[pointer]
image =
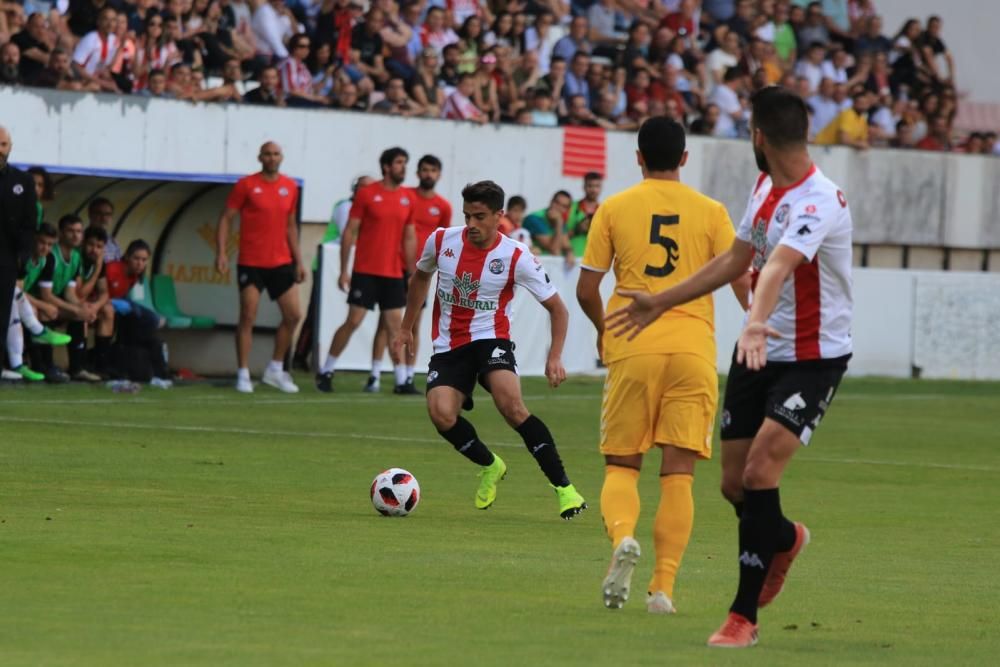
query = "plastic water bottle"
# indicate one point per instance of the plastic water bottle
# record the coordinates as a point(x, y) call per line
point(123, 386)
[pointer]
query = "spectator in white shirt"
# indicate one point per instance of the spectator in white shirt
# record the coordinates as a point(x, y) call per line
point(836, 67)
point(459, 105)
point(603, 16)
point(726, 56)
point(825, 109)
point(732, 113)
point(811, 66)
point(97, 50)
point(272, 25)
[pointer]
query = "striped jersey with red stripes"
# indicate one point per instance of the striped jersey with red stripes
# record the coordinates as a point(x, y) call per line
point(815, 307)
point(295, 76)
point(475, 286)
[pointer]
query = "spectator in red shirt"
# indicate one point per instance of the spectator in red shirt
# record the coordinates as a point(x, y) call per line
point(381, 220)
point(939, 137)
point(430, 211)
point(267, 204)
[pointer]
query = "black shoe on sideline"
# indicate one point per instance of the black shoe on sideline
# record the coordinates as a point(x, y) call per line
point(407, 388)
point(324, 382)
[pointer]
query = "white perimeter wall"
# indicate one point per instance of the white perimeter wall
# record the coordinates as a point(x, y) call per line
point(943, 324)
point(897, 198)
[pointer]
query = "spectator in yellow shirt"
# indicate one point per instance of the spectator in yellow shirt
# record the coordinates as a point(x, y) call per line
point(850, 127)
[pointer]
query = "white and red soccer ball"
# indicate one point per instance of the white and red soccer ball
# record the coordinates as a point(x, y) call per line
point(395, 492)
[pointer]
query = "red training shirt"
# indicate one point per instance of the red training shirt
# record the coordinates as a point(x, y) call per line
point(264, 208)
point(428, 215)
point(383, 214)
point(119, 281)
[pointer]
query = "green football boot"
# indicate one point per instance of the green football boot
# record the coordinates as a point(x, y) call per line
point(489, 476)
point(571, 502)
point(50, 337)
point(28, 374)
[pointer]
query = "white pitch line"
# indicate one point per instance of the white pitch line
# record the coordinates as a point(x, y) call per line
point(326, 435)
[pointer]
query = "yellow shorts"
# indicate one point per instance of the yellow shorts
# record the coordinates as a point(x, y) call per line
point(659, 399)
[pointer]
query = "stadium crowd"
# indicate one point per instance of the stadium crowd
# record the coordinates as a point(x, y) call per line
point(600, 63)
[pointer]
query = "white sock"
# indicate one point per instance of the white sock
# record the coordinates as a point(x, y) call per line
point(409, 372)
point(243, 374)
point(400, 371)
point(329, 364)
point(274, 367)
point(376, 367)
point(15, 342)
point(27, 313)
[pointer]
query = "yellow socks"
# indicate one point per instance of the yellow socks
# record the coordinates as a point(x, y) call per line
point(671, 530)
point(620, 502)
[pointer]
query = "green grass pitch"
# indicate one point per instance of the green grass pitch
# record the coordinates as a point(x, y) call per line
point(202, 527)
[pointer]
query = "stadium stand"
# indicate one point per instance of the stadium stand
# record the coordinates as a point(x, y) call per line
point(601, 63)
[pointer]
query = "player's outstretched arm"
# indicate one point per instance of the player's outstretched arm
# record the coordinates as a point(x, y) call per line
point(645, 308)
point(559, 318)
point(751, 348)
point(416, 295)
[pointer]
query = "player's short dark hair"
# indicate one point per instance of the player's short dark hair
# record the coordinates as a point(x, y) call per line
point(780, 115)
point(661, 143)
point(389, 156)
point(429, 159)
point(487, 193)
point(136, 246)
point(517, 200)
point(562, 193)
point(98, 233)
point(47, 230)
point(592, 176)
point(99, 201)
point(69, 219)
point(47, 188)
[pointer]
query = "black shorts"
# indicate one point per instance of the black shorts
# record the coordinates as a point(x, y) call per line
point(368, 291)
point(796, 394)
point(462, 367)
point(276, 280)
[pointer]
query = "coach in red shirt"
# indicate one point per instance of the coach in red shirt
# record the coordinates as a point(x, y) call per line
point(430, 211)
point(267, 204)
point(381, 219)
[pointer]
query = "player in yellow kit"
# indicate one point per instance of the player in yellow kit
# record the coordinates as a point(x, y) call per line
point(662, 387)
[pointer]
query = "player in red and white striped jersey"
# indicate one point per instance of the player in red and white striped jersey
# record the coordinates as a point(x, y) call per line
point(794, 348)
point(478, 271)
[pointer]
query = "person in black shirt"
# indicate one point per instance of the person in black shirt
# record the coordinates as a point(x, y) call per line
point(267, 94)
point(366, 40)
point(18, 215)
point(35, 46)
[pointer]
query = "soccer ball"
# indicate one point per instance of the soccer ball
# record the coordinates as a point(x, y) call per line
point(395, 492)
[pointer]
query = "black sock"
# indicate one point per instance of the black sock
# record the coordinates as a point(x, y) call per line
point(760, 526)
point(542, 446)
point(463, 438)
point(77, 348)
point(102, 350)
point(786, 536)
point(738, 506)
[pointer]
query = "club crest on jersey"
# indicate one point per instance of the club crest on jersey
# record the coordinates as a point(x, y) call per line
point(781, 215)
point(283, 192)
point(465, 285)
point(18, 188)
point(497, 267)
point(405, 201)
point(435, 210)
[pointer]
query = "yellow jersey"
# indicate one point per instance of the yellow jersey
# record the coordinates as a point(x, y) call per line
point(849, 121)
point(656, 234)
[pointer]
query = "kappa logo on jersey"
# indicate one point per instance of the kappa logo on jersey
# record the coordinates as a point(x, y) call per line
point(465, 286)
point(781, 215)
point(497, 267)
point(794, 402)
point(448, 252)
point(804, 230)
point(498, 352)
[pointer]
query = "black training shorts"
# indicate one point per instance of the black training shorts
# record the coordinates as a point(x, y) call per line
point(796, 394)
point(462, 367)
point(276, 280)
point(368, 291)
